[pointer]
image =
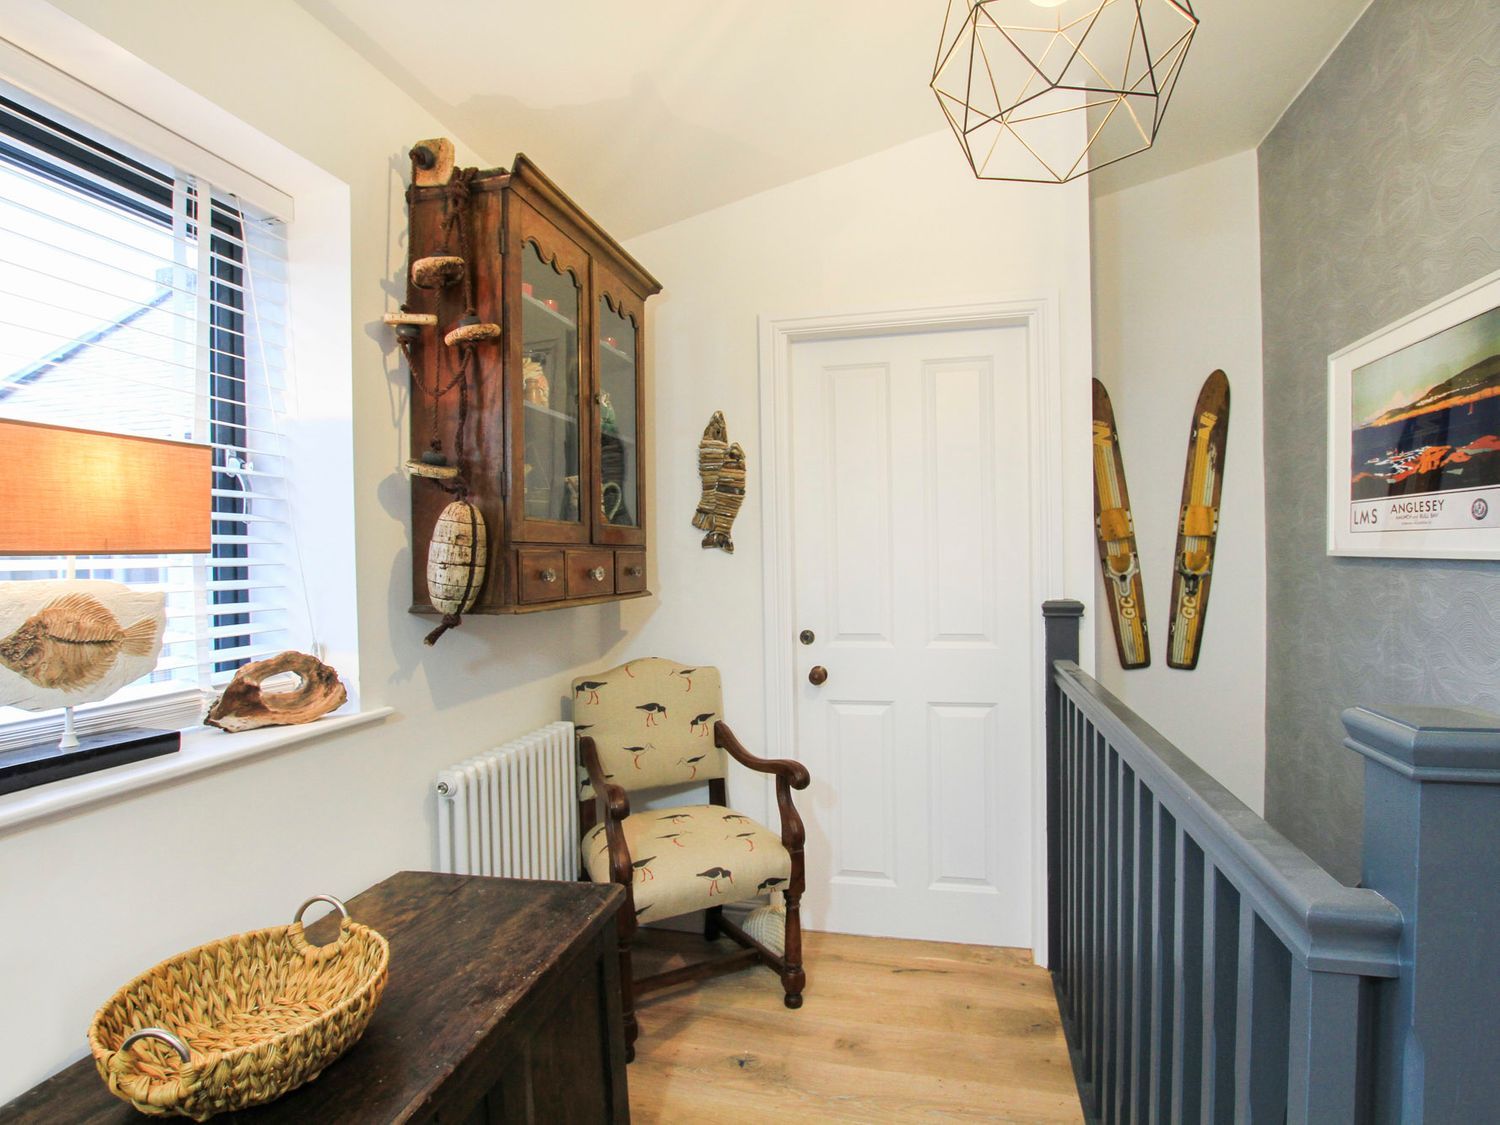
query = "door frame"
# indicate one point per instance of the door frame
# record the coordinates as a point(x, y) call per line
point(1037, 314)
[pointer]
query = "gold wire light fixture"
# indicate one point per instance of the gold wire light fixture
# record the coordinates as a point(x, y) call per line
point(1014, 76)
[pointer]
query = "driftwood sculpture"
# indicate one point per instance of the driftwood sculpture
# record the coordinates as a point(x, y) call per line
point(243, 706)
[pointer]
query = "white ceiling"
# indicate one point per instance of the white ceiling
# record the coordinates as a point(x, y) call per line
point(652, 111)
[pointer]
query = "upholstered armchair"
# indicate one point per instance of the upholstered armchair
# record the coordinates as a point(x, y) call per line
point(652, 724)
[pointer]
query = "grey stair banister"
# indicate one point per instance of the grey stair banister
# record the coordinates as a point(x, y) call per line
point(1432, 846)
point(1206, 968)
point(1060, 625)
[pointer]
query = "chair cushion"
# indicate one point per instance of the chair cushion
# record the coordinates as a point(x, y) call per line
point(691, 857)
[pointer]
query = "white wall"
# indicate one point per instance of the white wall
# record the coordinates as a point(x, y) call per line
point(906, 227)
point(91, 898)
point(902, 228)
point(1177, 294)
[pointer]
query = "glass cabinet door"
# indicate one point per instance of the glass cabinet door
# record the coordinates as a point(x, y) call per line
point(550, 306)
point(619, 431)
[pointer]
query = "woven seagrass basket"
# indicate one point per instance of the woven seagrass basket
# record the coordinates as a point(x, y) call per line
point(239, 1021)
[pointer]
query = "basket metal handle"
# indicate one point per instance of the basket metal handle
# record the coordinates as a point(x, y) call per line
point(300, 940)
point(160, 1034)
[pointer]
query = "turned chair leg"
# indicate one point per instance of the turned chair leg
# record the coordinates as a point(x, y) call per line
point(711, 923)
point(625, 932)
point(793, 979)
point(627, 1002)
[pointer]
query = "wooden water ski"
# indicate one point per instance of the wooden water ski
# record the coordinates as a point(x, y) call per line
point(1119, 561)
point(1198, 522)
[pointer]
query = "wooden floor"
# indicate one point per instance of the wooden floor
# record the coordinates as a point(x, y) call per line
point(890, 1031)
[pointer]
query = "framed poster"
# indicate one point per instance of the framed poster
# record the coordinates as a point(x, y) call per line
point(1414, 434)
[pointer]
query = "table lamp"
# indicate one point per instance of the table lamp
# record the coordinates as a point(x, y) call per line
point(71, 641)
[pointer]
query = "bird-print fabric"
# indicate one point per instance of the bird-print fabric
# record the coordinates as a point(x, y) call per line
point(688, 858)
point(653, 722)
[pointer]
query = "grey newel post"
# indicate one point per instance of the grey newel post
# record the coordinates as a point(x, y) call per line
point(1061, 618)
point(1432, 846)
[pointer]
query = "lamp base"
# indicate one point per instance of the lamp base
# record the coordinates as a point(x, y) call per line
point(43, 762)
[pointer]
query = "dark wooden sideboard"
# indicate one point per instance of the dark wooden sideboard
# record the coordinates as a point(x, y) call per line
point(503, 1006)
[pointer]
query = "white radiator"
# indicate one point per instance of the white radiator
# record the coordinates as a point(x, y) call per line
point(512, 810)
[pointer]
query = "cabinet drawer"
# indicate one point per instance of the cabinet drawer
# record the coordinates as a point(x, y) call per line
point(630, 572)
point(540, 576)
point(590, 573)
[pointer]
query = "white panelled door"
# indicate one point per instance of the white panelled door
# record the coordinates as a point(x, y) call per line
point(912, 543)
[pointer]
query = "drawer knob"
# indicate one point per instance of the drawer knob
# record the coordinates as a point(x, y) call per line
point(597, 574)
point(632, 572)
point(548, 575)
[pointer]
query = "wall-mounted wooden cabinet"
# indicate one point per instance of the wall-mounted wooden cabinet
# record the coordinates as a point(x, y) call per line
point(558, 421)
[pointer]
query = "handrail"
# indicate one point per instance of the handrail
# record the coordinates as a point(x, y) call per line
point(1327, 926)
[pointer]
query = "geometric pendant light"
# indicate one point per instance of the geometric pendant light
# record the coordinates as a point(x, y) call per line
point(1044, 91)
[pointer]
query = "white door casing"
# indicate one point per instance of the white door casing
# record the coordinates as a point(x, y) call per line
point(924, 526)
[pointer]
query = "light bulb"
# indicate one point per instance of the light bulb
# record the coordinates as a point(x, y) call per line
point(1049, 3)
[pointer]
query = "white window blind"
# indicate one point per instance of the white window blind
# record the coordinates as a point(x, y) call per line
point(134, 298)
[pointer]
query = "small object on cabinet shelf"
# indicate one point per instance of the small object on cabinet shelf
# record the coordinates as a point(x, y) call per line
point(535, 387)
point(711, 452)
point(437, 271)
point(612, 498)
point(246, 706)
point(729, 494)
point(169, 1042)
point(611, 341)
point(551, 303)
point(456, 560)
point(527, 289)
point(608, 422)
point(570, 508)
point(471, 330)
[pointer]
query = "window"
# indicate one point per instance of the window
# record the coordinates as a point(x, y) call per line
point(136, 298)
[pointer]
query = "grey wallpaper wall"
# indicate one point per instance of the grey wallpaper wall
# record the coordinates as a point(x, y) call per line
point(1380, 193)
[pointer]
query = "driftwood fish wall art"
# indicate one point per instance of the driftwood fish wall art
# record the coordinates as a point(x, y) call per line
point(70, 641)
point(711, 453)
point(721, 472)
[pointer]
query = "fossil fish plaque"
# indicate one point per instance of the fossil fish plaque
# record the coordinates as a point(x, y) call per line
point(71, 641)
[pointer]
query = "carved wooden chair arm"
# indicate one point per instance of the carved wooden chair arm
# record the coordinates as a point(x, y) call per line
point(616, 809)
point(794, 773)
point(789, 775)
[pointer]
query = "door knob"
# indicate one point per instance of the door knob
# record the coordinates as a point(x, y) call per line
point(597, 574)
point(818, 676)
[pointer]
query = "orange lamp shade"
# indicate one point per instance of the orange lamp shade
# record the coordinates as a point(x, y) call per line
point(80, 492)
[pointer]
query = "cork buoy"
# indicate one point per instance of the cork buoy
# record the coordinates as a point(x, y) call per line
point(437, 271)
point(420, 467)
point(471, 330)
point(455, 564)
point(419, 320)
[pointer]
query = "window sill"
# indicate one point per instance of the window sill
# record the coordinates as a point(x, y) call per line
point(203, 750)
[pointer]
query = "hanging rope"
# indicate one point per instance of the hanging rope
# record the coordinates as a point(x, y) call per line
point(456, 227)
